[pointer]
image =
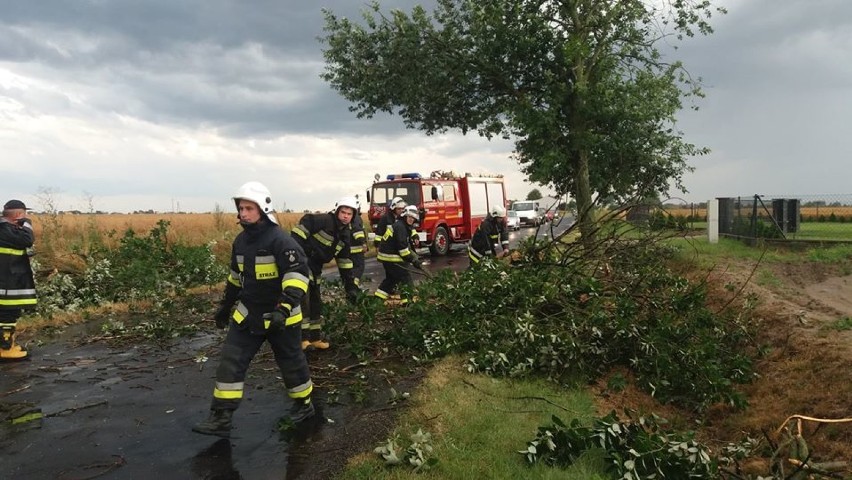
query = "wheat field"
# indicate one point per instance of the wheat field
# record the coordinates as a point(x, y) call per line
point(807, 213)
point(64, 240)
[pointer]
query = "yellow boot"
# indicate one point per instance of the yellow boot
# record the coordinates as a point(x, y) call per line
point(317, 340)
point(9, 350)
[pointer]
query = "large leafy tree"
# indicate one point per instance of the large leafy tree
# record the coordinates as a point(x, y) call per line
point(580, 85)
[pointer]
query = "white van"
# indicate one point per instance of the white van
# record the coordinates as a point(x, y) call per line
point(528, 212)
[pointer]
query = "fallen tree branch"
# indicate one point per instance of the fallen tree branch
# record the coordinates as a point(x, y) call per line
point(828, 469)
point(75, 409)
point(108, 467)
point(14, 391)
point(521, 398)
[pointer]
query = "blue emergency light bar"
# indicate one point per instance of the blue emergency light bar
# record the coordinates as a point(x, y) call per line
point(396, 176)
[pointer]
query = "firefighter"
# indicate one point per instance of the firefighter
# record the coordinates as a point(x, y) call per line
point(395, 251)
point(490, 234)
point(395, 209)
point(17, 286)
point(358, 246)
point(268, 278)
point(324, 237)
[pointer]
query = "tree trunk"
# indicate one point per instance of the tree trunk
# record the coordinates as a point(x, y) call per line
point(584, 197)
point(579, 152)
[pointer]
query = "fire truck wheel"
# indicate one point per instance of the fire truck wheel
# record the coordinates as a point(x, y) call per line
point(440, 242)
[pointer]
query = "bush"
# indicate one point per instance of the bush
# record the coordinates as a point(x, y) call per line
point(567, 315)
point(761, 229)
point(661, 220)
point(636, 448)
point(138, 268)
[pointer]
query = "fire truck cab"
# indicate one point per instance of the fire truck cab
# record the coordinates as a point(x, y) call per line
point(451, 206)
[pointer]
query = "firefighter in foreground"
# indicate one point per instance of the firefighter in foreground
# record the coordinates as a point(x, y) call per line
point(17, 287)
point(268, 278)
point(490, 234)
point(395, 253)
point(324, 237)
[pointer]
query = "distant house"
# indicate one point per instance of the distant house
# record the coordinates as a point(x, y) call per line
point(549, 203)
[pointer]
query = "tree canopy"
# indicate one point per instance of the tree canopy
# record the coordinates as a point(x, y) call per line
point(579, 85)
point(534, 194)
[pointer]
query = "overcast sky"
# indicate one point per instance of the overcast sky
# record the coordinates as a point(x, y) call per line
point(161, 104)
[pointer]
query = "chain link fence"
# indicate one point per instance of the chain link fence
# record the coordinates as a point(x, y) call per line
point(788, 217)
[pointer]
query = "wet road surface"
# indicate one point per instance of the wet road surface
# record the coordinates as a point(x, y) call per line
point(130, 412)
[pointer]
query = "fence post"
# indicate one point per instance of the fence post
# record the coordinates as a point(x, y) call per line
point(754, 217)
point(713, 220)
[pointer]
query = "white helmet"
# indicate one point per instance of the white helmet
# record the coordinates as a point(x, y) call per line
point(350, 202)
point(497, 211)
point(258, 193)
point(397, 202)
point(411, 211)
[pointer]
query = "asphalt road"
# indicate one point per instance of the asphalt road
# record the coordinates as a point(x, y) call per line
point(457, 258)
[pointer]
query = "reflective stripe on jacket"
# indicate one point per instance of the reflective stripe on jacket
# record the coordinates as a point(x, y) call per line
point(269, 271)
point(359, 238)
point(396, 247)
point(17, 287)
point(323, 238)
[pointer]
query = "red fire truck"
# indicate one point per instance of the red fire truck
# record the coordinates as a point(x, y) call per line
point(451, 205)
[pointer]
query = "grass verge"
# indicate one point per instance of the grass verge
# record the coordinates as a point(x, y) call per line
point(478, 424)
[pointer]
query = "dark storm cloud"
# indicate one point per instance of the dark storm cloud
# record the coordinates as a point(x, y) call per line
point(775, 44)
point(245, 68)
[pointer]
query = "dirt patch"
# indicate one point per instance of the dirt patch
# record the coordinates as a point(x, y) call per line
point(806, 368)
point(363, 395)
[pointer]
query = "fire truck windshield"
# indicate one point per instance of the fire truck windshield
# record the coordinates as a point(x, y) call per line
point(383, 192)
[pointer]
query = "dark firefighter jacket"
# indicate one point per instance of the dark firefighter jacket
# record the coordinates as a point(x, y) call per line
point(359, 238)
point(324, 238)
point(17, 288)
point(396, 248)
point(491, 232)
point(269, 271)
point(383, 229)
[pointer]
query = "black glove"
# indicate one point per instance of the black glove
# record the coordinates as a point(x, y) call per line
point(21, 221)
point(222, 316)
point(278, 316)
point(417, 264)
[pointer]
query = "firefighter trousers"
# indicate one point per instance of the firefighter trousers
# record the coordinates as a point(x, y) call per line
point(352, 282)
point(10, 316)
point(240, 348)
point(396, 274)
point(358, 265)
point(312, 301)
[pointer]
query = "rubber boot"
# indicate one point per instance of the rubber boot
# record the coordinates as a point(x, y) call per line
point(9, 350)
point(301, 410)
point(218, 423)
point(318, 340)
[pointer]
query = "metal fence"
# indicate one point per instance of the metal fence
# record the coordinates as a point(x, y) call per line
point(824, 218)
